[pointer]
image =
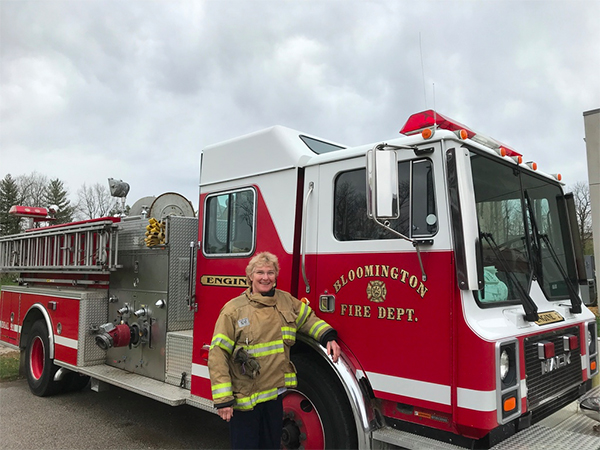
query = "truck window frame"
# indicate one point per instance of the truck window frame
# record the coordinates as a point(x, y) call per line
point(404, 224)
point(233, 215)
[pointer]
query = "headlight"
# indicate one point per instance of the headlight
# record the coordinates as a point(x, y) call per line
point(504, 364)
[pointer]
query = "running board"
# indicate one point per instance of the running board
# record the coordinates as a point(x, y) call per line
point(148, 387)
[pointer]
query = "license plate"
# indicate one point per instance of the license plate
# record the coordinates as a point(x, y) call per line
point(549, 317)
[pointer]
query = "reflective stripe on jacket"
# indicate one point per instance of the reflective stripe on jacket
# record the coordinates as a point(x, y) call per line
point(266, 328)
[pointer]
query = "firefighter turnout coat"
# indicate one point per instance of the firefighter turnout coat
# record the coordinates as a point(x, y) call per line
point(266, 327)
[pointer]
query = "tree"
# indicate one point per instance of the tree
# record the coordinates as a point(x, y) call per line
point(94, 201)
point(33, 188)
point(9, 196)
point(583, 211)
point(56, 194)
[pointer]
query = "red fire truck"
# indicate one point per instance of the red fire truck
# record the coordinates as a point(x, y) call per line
point(450, 268)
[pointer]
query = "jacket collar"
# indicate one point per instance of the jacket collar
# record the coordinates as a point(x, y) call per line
point(266, 300)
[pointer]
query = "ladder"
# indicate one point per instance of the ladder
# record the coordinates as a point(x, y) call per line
point(83, 247)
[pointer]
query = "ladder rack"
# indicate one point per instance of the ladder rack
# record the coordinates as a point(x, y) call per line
point(83, 247)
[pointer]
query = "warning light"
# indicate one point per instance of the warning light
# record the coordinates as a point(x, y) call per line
point(427, 133)
point(517, 159)
point(532, 165)
point(510, 404)
point(593, 366)
point(418, 122)
point(558, 176)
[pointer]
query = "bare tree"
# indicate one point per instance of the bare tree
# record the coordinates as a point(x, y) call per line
point(94, 201)
point(583, 211)
point(33, 188)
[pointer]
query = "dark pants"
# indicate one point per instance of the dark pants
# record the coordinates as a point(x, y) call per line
point(259, 428)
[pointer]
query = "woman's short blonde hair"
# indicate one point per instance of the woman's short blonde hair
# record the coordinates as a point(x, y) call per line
point(262, 259)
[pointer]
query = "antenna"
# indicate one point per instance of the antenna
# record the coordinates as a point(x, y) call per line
point(434, 109)
point(423, 71)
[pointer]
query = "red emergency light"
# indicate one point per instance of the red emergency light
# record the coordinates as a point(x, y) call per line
point(430, 119)
point(36, 213)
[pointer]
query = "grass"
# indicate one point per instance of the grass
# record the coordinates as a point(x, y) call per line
point(9, 366)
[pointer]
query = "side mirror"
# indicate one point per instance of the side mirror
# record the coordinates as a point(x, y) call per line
point(382, 184)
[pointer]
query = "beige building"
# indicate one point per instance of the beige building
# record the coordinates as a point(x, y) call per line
point(591, 120)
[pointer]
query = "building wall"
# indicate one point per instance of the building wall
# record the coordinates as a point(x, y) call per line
point(591, 121)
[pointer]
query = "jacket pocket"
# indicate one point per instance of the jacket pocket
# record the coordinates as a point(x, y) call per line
point(288, 327)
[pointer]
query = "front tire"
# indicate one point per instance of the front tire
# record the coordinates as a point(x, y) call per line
point(38, 365)
point(317, 413)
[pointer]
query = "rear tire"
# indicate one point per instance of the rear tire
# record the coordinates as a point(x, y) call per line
point(39, 368)
point(317, 413)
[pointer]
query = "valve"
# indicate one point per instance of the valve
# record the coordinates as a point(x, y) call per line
point(111, 335)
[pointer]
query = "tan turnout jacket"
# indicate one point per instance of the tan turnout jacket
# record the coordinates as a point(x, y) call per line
point(266, 328)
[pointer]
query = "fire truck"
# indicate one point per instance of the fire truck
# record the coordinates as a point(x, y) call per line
point(450, 267)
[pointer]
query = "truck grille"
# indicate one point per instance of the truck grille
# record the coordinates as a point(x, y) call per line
point(545, 389)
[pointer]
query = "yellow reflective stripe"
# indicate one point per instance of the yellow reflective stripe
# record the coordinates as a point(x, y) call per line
point(221, 390)
point(288, 333)
point(303, 315)
point(290, 380)
point(268, 348)
point(316, 329)
point(220, 340)
point(245, 403)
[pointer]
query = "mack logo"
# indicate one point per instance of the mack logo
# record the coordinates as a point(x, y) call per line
point(556, 362)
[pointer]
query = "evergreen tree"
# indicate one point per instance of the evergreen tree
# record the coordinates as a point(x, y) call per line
point(9, 196)
point(56, 194)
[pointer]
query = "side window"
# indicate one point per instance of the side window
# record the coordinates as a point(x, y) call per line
point(417, 204)
point(229, 223)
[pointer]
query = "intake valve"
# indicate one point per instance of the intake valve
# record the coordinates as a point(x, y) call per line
point(111, 335)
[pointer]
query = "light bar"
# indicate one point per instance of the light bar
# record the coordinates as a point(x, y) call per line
point(431, 119)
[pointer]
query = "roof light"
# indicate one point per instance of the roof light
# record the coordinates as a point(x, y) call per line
point(532, 165)
point(431, 119)
point(517, 159)
point(558, 176)
point(461, 134)
point(427, 133)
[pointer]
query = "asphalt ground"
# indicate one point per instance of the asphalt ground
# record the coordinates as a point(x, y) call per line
point(114, 419)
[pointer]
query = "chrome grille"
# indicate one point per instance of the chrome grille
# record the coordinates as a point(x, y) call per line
point(544, 387)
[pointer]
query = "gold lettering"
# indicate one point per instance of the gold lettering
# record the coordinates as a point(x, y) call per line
point(367, 311)
point(413, 281)
point(410, 313)
point(359, 272)
point(351, 307)
point(394, 273)
point(390, 313)
point(343, 309)
point(385, 271)
point(368, 271)
point(351, 275)
point(337, 286)
point(358, 311)
point(399, 313)
point(422, 290)
point(404, 274)
point(344, 281)
point(376, 270)
point(381, 312)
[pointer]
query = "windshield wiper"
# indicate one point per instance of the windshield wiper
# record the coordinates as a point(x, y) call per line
point(531, 314)
point(540, 237)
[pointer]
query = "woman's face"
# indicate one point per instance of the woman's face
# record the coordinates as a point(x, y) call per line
point(263, 279)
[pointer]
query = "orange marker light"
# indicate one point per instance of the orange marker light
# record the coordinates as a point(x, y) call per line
point(593, 366)
point(426, 133)
point(532, 165)
point(510, 404)
point(558, 176)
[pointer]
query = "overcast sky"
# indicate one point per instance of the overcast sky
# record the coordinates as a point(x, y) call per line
point(135, 89)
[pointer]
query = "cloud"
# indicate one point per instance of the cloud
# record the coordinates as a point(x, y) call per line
point(136, 89)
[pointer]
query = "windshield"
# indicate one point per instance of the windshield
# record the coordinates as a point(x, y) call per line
point(524, 233)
